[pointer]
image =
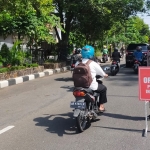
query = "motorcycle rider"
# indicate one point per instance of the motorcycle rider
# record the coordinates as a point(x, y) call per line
point(138, 55)
point(87, 53)
point(116, 55)
point(76, 56)
point(105, 51)
point(122, 50)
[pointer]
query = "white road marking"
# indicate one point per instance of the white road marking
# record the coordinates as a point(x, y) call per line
point(6, 129)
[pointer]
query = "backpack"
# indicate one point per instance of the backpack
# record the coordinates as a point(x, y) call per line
point(82, 75)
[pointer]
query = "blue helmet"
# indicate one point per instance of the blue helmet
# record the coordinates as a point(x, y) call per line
point(87, 52)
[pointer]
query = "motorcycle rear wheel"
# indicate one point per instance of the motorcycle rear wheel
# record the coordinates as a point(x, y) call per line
point(81, 122)
point(113, 73)
point(136, 71)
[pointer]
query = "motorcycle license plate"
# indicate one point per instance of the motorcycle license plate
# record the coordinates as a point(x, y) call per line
point(136, 65)
point(113, 65)
point(79, 105)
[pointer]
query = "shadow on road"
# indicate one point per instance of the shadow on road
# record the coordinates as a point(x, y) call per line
point(121, 129)
point(59, 124)
point(64, 79)
point(121, 96)
point(69, 88)
point(120, 116)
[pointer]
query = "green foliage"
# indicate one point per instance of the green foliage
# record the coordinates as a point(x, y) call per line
point(52, 61)
point(5, 55)
point(133, 30)
point(3, 70)
point(87, 21)
point(28, 18)
point(31, 65)
point(34, 65)
point(17, 56)
point(13, 68)
point(14, 56)
point(98, 53)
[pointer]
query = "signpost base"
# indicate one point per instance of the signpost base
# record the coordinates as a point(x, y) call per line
point(146, 123)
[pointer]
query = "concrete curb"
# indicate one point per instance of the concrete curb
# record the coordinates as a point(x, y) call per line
point(47, 72)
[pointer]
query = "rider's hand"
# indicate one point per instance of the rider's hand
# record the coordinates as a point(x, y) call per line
point(106, 75)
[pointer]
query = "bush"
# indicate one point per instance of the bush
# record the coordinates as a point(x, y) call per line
point(34, 65)
point(52, 61)
point(30, 65)
point(98, 53)
point(3, 70)
point(4, 55)
point(13, 68)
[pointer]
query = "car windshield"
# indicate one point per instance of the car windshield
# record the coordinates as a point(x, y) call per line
point(133, 47)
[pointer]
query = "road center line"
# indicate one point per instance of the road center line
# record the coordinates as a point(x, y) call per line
point(6, 129)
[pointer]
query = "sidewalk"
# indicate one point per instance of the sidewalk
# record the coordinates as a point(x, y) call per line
point(46, 72)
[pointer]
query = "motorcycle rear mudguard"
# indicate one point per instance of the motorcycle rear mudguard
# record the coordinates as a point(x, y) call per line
point(77, 111)
point(113, 68)
point(135, 67)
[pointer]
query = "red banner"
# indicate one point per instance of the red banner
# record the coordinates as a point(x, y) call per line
point(144, 83)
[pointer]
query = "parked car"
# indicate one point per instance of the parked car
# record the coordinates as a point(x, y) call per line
point(129, 52)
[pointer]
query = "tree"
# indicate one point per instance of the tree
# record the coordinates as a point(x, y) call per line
point(28, 18)
point(91, 18)
point(134, 30)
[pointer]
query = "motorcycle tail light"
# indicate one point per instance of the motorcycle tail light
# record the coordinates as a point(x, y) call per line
point(79, 93)
point(127, 53)
point(114, 62)
point(136, 61)
point(73, 65)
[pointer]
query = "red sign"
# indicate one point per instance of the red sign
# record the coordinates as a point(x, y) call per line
point(144, 83)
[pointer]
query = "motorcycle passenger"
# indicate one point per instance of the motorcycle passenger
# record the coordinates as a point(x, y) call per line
point(87, 53)
point(138, 55)
point(116, 55)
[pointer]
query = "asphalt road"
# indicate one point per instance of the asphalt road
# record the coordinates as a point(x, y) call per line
point(35, 115)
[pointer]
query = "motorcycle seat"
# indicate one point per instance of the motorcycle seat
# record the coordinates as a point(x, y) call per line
point(88, 90)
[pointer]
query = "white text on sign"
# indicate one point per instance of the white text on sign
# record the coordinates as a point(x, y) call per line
point(146, 79)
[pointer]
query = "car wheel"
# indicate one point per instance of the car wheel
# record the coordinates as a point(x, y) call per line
point(128, 64)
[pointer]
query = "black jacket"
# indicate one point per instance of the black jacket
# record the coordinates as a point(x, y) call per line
point(116, 56)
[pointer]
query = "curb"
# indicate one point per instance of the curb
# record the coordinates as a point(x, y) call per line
point(47, 72)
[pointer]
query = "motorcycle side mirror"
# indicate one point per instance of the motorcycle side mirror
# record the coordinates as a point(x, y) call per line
point(106, 68)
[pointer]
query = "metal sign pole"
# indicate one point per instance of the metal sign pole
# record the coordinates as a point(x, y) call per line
point(146, 124)
point(144, 92)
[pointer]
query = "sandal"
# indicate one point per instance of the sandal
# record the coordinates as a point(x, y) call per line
point(101, 111)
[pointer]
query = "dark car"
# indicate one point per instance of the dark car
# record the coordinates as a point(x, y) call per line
point(129, 52)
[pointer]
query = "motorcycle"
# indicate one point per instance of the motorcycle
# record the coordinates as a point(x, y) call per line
point(104, 58)
point(136, 65)
point(85, 105)
point(114, 68)
point(74, 59)
point(72, 67)
point(145, 59)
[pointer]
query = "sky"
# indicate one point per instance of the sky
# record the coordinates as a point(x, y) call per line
point(145, 18)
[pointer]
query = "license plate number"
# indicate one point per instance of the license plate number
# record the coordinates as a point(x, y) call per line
point(79, 105)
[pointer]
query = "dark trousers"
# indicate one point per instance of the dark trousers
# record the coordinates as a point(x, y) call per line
point(103, 93)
